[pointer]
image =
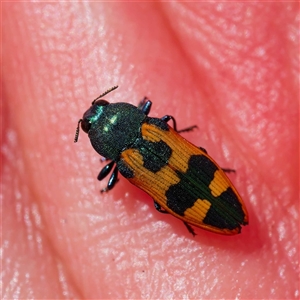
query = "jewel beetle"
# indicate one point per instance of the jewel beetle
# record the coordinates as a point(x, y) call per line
point(182, 179)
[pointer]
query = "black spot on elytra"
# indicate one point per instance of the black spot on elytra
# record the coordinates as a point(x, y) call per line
point(155, 154)
point(183, 195)
point(225, 218)
point(225, 211)
point(124, 169)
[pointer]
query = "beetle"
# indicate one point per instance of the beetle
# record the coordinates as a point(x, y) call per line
point(182, 179)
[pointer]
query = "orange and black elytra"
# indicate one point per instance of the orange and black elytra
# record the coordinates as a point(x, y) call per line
point(182, 179)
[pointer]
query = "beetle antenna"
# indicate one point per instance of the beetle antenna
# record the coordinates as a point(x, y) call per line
point(105, 93)
point(77, 131)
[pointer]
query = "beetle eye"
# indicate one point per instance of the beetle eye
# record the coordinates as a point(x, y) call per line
point(90, 116)
point(100, 102)
point(85, 125)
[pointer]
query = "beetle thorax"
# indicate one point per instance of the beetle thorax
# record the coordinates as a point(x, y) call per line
point(115, 129)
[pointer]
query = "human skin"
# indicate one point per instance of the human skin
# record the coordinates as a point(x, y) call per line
point(230, 68)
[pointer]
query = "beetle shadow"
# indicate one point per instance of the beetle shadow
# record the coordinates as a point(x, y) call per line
point(252, 238)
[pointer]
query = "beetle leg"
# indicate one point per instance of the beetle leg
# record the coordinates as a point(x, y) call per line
point(158, 208)
point(112, 180)
point(145, 106)
point(105, 171)
point(228, 170)
point(167, 118)
point(204, 150)
point(224, 169)
point(190, 228)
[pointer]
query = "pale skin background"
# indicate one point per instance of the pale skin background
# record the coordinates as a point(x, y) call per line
point(230, 68)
